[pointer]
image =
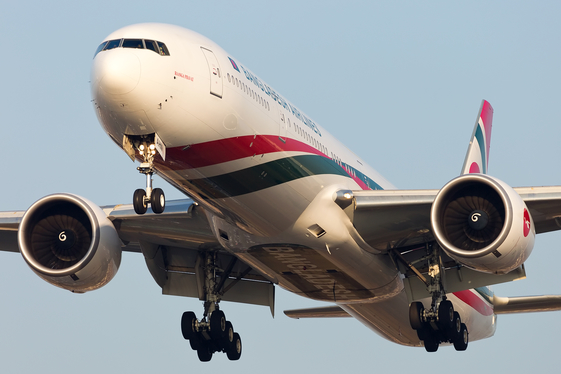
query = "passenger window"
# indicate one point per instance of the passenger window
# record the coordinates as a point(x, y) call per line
point(151, 45)
point(163, 49)
point(100, 48)
point(133, 43)
point(112, 44)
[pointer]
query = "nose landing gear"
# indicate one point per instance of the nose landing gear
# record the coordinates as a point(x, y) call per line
point(155, 196)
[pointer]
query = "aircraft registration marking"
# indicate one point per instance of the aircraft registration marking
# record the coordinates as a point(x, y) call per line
point(310, 272)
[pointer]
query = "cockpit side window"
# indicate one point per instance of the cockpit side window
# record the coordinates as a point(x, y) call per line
point(112, 44)
point(100, 48)
point(133, 43)
point(163, 49)
point(151, 45)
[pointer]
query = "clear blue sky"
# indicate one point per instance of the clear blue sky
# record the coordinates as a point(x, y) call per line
point(398, 82)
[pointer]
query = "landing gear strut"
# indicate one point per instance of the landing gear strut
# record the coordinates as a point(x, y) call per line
point(440, 323)
point(155, 196)
point(213, 333)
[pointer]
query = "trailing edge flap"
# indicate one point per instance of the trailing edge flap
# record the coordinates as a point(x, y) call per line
point(458, 279)
point(321, 312)
point(398, 218)
point(526, 304)
point(171, 243)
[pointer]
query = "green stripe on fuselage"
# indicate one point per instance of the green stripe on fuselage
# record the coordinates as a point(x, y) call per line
point(266, 175)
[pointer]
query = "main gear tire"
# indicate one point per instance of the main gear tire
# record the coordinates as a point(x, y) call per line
point(138, 201)
point(158, 200)
point(416, 310)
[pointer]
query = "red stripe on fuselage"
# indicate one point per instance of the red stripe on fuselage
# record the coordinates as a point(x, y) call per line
point(470, 298)
point(224, 150)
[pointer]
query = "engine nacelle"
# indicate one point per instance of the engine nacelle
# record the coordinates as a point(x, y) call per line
point(69, 242)
point(482, 223)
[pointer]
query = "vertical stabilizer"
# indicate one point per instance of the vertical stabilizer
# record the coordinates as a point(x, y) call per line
point(477, 157)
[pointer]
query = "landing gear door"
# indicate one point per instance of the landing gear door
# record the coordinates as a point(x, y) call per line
point(160, 146)
point(215, 73)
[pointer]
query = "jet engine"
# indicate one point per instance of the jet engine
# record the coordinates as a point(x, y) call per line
point(69, 242)
point(482, 223)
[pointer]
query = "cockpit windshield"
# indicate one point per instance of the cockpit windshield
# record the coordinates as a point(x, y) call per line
point(133, 43)
point(155, 46)
point(112, 44)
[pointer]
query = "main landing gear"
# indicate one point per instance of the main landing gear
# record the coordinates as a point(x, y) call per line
point(440, 323)
point(155, 196)
point(213, 333)
point(210, 335)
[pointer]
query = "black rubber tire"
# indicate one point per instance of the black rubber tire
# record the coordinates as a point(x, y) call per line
point(424, 332)
point(204, 353)
point(431, 344)
point(188, 321)
point(217, 325)
point(228, 337)
point(234, 352)
point(461, 343)
point(456, 327)
point(138, 203)
point(445, 315)
point(195, 342)
point(158, 200)
point(415, 315)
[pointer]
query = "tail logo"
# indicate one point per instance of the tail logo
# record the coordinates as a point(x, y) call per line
point(477, 157)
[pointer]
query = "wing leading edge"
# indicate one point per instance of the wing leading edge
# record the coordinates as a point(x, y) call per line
point(401, 218)
point(172, 243)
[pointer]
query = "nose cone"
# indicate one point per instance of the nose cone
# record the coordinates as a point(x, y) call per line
point(116, 72)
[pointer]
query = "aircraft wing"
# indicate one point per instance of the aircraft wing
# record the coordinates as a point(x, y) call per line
point(171, 243)
point(400, 218)
point(9, 223)
point(501, 305)
point(332, 311)
point(545, 206)
point(181, 224)
point(526, 304)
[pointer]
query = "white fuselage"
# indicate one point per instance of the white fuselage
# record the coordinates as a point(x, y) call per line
point(265, 173)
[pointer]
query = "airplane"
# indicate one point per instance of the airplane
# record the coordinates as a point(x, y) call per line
point(272, 199)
